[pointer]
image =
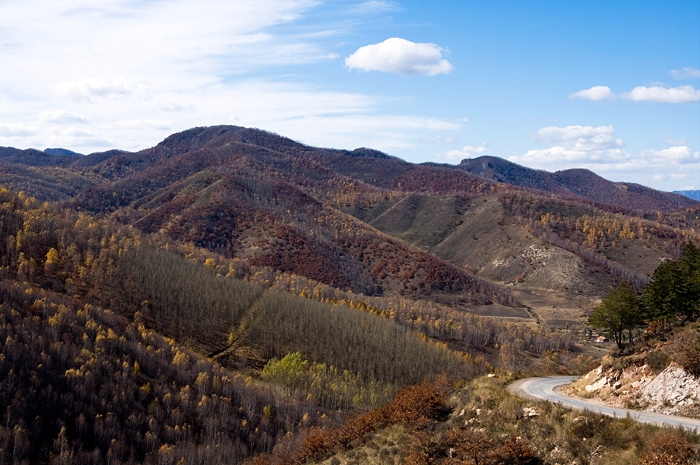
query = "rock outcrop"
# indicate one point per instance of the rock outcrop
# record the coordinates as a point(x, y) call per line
point(674, 391)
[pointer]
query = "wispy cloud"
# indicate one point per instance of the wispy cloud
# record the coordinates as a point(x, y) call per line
point(61, 117)
point(11, 130)
point(153, 68)
point(373, 6)
point(92, 89)
point(468, 151)
point(400, 56)
point(595, 93)
point(598, 149)
point(685, 73)
point(682, 94)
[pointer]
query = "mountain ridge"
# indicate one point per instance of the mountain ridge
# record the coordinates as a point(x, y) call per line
point(372, 166)
point(580, 182)
point(320, 213)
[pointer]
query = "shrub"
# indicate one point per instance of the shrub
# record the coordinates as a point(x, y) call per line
point(657, 361)
point(669, 449)
point(686, 347)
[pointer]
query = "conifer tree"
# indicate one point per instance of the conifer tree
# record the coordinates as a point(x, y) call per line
point(620, 310)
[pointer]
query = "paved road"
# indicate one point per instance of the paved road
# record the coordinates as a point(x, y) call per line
point(543, 389)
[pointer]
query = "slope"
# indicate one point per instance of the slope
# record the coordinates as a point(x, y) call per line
point(580, 182)
point(267, 207)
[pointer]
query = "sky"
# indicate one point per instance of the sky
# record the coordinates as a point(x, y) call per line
point(613, 87)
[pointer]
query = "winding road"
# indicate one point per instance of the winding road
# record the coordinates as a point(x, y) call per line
point(544, 389)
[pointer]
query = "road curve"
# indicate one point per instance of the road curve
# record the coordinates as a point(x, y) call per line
point(543, 389)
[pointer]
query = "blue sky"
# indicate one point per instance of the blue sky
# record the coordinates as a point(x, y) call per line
point(611, 86)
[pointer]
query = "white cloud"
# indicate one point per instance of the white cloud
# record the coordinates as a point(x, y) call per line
point(681, 94)
point(401, 56)
point(685, 73)
point(115, 88)
point(681, 155)
point(595, 93)
point(657, 93)
point(61, 117)
point(574, 144)
point(16, 130)
point(582, 138)
point(468, 151)
point(597, 149)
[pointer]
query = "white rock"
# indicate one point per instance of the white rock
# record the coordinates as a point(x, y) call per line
point(674, 385)
point(597, 385)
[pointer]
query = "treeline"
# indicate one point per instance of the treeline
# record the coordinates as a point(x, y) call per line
point(88, 260)
point(74, 253)
point(269, 324)
point(417, 274)
point(333, 389)
point(622, 273)
point(674, 289)
point(672, 294)
point(79, 384)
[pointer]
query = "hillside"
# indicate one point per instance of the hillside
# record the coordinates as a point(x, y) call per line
point(272, 202)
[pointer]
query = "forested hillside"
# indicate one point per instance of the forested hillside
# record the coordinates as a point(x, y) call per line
point(273, 202)
point(62, 269)
point(229, 290)
point(576, 182)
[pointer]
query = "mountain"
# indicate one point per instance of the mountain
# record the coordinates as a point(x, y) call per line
point(580, 182)
point(451, 235)
point(695, 195)
point(31, 157)
point(60, 151)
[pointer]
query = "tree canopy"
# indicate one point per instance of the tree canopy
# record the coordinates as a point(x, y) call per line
point(620, 310)
point(672, 293)
point(674, 290)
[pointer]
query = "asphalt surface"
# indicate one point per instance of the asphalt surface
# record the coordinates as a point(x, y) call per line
point(544, 389)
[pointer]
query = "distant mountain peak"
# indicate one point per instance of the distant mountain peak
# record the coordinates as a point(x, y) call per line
point(691, 194)
point(581, 182)
point(64, 152)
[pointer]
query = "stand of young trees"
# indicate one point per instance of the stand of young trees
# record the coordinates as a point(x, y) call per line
point(79, 384)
